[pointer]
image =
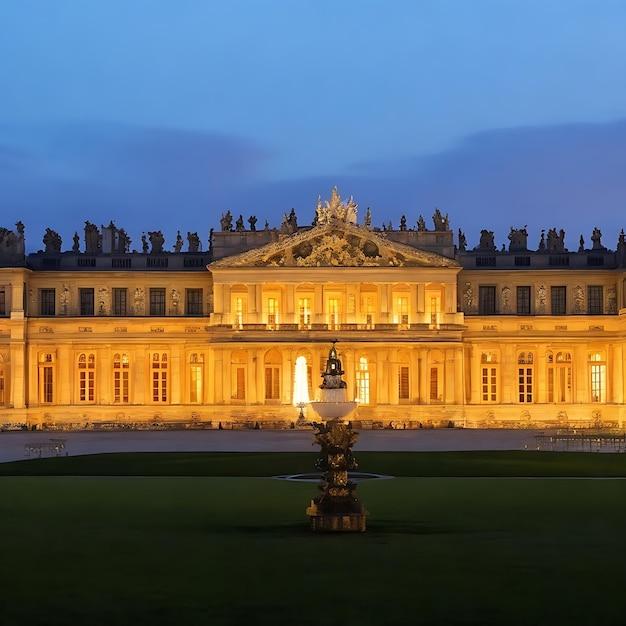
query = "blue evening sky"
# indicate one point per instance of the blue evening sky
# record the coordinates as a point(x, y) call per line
point(163, 114)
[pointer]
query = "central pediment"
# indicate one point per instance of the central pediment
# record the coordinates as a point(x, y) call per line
point(335, 243)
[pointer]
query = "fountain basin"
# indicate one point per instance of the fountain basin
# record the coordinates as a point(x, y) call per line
point(331, 410)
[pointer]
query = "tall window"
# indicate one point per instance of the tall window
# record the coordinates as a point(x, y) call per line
point(333, 314)
point(559, 377)
point(47, 301)
point(558, 300)
point(238, 376)
point(403, 383)
point(196, 377)
point(401, 310)
point(434, 308)
point(525, 376)
point(272, 375)
point(369, 310)
point(272, 312)
point(523, 300)
point(121, 377)
point(193, 301)
point(2, 385)
point(3, 305)
point(157, 301)
point(594, 300)
point(363, 381)
point(86, 377)
point(598, 378)
point(239, 311)
point(486, 300)
point(304, 312)
point(119, 301)
point(46, 378)
point(159, 377)
point(86, 301)
point(489, 377)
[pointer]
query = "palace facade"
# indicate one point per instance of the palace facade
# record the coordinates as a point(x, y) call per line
point(429, 333)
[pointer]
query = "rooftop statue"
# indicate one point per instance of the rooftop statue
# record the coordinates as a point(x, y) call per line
point(334, 210)
point(421, 224)
point(486, 241)
point(462, 240)
point(252, 221)
point(178, 246)
point(403, 222)
point(239, 224)
point(12, 244)
point(226, 222)
point(157, 240)
point(194, 242)
point(93, 238)
point(518, 238)
point(52, 241)
point(596, 238)
point(556, 242)
point(440, 221)
point(123, 241)
point(367, 221)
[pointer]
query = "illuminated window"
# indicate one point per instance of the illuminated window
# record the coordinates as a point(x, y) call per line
point(403, 383)
point(401, 310)
point(525, 376)
point(121, 377)
point(272, 375)
point(598, 377)
point(559, 381)
point(86, 377)
point(238, 376)
point(304, 312)
point(272, 313)
point(159, 377)
point(333, 314)
point(239, 311)
point(363, 381)
point(196, 377)
point(489, 377)
point(46, 378)
point(433, 301)
point(369, 310)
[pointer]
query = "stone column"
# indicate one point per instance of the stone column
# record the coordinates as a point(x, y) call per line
point(475, 378)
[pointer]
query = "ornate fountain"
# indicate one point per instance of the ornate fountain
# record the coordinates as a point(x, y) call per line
point(336, 508)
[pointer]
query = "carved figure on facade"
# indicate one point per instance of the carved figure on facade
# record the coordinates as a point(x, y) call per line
point(139, 301)
point(332, 250)
point(194, 242)
point(175, 298)
point(579, 300)
point(542, 297)
point(505, 295)
point(52, 241)
point(462, 241)
point(239, 226)
point(156, 241)
point(252, 220)
point(611, 300)
point(486, 241)
point(64, 299)
point(596, 238)
point(178, 246)
point(226, 222)
point(93, 238)
point(469, 299)
point(333, 209)
point(518, 238)
point(440, 221)
point(104, 301)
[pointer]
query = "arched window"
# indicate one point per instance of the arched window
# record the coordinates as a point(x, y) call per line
point(196, 377)
point(597, 372)
point(121, 378)
point(159, 377)
point(86, 377)
point(363, 381)
point(525, 377)
point(559, 376)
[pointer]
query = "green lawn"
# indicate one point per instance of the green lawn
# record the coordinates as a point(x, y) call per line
point(237, 550)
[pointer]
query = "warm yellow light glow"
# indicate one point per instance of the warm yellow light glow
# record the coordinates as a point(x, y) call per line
point(300, 384)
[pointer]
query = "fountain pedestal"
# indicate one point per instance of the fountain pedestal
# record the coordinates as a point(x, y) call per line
point(336, 508)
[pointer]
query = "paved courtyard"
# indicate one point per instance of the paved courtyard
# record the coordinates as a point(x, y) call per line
point(12, 444)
